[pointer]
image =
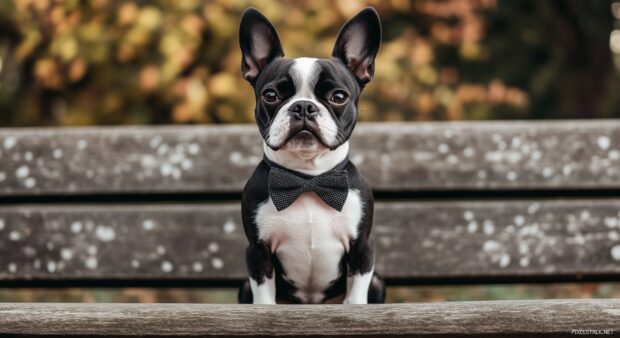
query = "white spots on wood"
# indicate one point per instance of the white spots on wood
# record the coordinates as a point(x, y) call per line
point(614, 155)
point(28, 156)
point(448, 133)
point(57, 153)
point(22, 171)
point(92, 250)
point(239, 160)
point(213, 247)
point(155, 141)
point(29, 251)
point(135, 263)
point(613, 236)
point(2, 176)
point(547, 172)
point(15, 235)
point(148, 161)
point(91, 263)
point(443, 148)
point(533, 208)
point(482, 174)
point(468, 152)
point(30, 182)
point(217, 263)
point(468, 215)
point(504, 260)
point(12, 267)
point(615, 252)
point(2, 224)
point(357, 159)
point(105, 233)
point(161, 250)
point(567, 170)
point(229, 227)
point(511, 176)
point(488, 227)
point(490, 246)
point(611, 222)
point(166, 266)
point(472, 227)
point(66, 254)
point(524, 262)
point(9, 142)
point(197, 267)
point(50, 246)
point(519, 220)
point(603, 142)
point(76, 227)
point(82, 144)
point(148, 224)
point(193, 148)
point(187, 164)
point(51, 266)
point(169, 161)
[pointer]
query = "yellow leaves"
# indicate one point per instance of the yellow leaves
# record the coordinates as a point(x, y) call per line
point(149, 18)
point(149, 78)
point(77, 70)
point(180, 59)
point(46, 71)
point(66, 47)
point(127, 13)
point(223, 85)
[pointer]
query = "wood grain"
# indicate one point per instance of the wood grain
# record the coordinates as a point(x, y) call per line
point(394, 157)
point(536, 318)
point(435, 240)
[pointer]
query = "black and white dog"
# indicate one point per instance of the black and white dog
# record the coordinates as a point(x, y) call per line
point(307, 211)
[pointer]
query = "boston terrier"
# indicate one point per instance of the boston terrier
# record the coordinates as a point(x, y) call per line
point(307, 211)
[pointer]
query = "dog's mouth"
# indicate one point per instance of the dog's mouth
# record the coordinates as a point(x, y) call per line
point(303, 136)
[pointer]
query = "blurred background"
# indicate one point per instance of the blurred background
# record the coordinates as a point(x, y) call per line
point(105, 62)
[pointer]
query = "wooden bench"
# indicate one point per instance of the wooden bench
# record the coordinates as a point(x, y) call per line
point(467, 202)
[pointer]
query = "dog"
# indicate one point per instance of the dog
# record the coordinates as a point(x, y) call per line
point(307, 211)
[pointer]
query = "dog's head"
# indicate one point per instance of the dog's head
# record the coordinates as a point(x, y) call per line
point(306, 103)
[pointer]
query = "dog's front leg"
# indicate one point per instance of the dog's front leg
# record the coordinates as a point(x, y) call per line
point(260, 270)
point(360, 272)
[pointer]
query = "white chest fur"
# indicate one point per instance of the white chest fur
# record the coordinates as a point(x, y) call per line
point(310, 238)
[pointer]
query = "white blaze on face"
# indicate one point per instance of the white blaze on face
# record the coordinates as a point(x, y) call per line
point(305, 74)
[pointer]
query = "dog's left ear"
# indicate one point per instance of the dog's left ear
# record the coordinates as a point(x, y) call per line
point(358, 43)
point(259, 43)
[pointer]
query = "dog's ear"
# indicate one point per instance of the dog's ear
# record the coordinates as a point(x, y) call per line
point(259, 43)
point(358, 43)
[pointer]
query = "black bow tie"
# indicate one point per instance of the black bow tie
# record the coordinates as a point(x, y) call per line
point(286, 185)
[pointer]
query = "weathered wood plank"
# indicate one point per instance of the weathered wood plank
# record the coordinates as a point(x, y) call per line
point(394, 157)
point(415, 240)
point(536, 318)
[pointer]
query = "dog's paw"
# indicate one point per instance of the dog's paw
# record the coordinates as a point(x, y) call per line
point(354, 301)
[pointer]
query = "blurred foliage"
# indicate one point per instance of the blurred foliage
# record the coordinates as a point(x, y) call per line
point(71, 62)
point(394, 294)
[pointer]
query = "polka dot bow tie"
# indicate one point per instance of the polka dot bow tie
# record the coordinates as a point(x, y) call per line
point(285, 186)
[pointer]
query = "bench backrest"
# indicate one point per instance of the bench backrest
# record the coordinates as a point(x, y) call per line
point(456, 202)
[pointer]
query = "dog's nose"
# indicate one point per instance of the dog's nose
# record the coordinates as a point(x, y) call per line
point(304, 109)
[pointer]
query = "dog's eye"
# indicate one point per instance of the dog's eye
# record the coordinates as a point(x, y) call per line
point(339, 97)
point(270, 96)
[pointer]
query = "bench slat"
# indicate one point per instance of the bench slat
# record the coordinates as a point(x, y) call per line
point(394, 157)
point(415, 240)
point(536, 318)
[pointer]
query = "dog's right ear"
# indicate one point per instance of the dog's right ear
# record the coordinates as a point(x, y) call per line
point(259, 43)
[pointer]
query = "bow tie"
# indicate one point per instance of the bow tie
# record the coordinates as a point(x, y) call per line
point(285, 185)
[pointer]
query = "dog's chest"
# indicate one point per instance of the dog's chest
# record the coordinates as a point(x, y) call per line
point(310, 238)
